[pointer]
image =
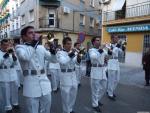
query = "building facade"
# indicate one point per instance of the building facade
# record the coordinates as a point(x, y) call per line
point(130, 19)
point(74, 18)
point(9, 20)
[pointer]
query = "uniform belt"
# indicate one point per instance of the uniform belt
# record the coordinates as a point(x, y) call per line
point(114, 58)
point(67, 70)
point(6, 67)
point(33, 72)
point(97, 65)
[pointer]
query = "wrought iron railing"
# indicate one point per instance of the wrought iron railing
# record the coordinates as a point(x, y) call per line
point(137, 10)
point(45, 22)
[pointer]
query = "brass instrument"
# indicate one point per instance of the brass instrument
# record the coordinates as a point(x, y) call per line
point(82, 52)
point(50, 37)
point(107, 47)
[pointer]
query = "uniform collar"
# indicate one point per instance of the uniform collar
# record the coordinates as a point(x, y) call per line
point(64, 49)
point(27, 43)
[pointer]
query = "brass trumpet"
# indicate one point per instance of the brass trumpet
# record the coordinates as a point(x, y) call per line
point(82, 52)
point(50, 37)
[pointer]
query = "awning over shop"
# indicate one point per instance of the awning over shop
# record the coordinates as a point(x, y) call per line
point(118, 5)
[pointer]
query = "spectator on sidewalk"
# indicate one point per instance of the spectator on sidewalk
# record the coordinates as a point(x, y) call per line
point(146, 66)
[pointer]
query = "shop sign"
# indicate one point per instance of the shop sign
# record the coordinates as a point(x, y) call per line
point(138, 28)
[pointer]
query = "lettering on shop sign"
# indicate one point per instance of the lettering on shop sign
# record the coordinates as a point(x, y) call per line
point(137, 28)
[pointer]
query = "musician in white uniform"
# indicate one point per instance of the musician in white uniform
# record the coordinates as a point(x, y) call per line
point(98, 73)
point(36, 85)
point(113, 67)
point(68, 78)
point(54, 69)
point(8, 77)
point(19, 70)
point(77, 67)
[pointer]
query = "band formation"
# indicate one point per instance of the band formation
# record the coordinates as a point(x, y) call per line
point(40, 70)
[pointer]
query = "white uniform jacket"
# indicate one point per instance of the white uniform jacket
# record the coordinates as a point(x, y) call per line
point(9, 74)
point(33, 59)
point(67, 78)
point(53, 63)
point(113, 62)
point(97, 59)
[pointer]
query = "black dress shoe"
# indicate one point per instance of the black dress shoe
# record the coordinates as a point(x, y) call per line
point(100, 104)
point(9, 111)
point(72, 112)
point(79, 85)
point(16, 107)
point(55, 91)
point(107, 93)
point(97, 109)
point(112, 98)
point(147, 84)
point(114, 95)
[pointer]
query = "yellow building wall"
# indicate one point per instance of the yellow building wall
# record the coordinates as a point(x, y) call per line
point(105, 36)
point(134, 40)
point(87, 39)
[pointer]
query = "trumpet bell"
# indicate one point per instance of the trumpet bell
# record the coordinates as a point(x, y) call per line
point(51, 40)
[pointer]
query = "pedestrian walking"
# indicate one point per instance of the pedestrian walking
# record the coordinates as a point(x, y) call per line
point(146, 66)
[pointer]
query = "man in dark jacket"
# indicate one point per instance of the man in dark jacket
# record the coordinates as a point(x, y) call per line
point(146, 66)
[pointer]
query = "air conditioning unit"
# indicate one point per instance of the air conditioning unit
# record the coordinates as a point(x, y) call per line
point(66, 10)
point(104, 1)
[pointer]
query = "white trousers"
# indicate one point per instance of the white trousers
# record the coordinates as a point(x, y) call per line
point(2, 100)
point(98, 88)
point(113, 79)
point(38, 104)
point(19, 78)
point(9, 93)
point(68, 95)
point(55, 79)
point(78, 74)
point(80, 71)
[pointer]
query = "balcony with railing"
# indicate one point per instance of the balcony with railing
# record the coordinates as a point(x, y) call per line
point(134, 13)
point(15, 33)
point(55, 3)
point(52, 23)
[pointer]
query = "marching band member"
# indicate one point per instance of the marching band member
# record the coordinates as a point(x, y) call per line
point(8, 77)
point(98, 74)
point(68, 78)
point(54, 68)
point(113, 67)
point(19, 82)
point(36, 85)
point(81, 68)
point(77, 67)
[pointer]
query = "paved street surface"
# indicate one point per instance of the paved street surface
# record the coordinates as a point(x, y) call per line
point(132, 95)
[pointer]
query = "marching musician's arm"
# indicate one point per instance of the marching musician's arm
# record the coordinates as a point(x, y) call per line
point(15, 59)
point(1, 59)
point(22, 54)
point(47, 54)
point(120, 50)
point(93, 55)
point(62, 59)
point(76, 60)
